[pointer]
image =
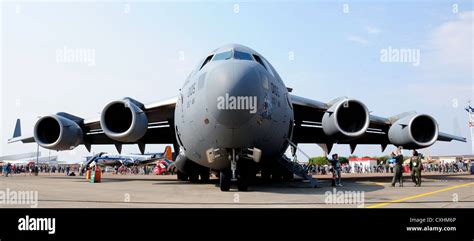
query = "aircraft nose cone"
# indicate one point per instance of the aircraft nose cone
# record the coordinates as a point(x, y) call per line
point(233, 93)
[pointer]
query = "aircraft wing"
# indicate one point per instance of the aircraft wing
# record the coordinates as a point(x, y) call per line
point(160, 130)
point(448, 137)
point(160, 114)
point(318, 122)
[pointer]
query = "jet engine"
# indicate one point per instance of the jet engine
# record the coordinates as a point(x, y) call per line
point(124, 120)
point(57, 132)
point(414, 131)
point(346, 119)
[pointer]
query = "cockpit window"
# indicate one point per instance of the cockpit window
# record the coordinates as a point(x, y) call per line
point(242, 55)
point(206, 61)
point(223, 56)
point(232, 54)
point(269, 67)
point(259, 60)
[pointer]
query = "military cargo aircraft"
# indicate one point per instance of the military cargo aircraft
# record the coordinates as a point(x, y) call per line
point(235, 115)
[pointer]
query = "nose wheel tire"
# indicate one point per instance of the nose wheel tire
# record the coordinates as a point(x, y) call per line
point(224, 180)
point(205, 175)
point(246, 174)
point(242, 183)
point(194, 177)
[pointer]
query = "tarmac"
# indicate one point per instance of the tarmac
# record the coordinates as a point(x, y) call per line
point(150, 191)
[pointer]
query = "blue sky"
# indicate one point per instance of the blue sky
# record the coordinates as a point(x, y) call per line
point(146, 49)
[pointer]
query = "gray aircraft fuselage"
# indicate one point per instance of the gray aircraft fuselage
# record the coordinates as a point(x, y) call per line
point(232, 103)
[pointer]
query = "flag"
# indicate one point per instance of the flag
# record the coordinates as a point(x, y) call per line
point(469, 109)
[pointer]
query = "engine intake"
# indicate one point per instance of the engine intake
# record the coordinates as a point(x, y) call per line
point(346, 118)
point(56, 132)
point(124, 120)
point(414, 131)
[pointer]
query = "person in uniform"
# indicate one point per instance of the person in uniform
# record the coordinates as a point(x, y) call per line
point(397, 168)
point(336, 169)
point(415, 167)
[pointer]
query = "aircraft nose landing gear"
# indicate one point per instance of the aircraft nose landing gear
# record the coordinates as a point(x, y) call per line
point(227, 174)
point(241, 174)
point(241, 169)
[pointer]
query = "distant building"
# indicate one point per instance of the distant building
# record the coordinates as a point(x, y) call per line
point(452, 158)
point(365, 162)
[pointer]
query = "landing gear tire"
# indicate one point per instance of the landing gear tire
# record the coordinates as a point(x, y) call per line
point(287, 176)
point(265, 175)
point(279, 173)
point(224, 180)
point(182, 176)
point(194, 177)
point(242, 183)
point(276, 176)
point(246, 171)
point(205, 175)
point(243, 177)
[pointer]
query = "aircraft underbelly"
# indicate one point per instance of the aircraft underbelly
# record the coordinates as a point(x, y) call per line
point(198, 137)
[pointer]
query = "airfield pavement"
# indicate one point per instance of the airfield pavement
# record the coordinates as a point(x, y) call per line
point(140, 191)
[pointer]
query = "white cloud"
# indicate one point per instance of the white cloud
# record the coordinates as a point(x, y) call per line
point(372, 30)
point(358, 39)
point(452, 42)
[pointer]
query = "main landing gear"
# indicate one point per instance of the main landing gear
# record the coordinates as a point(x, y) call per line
point(244, 174)
point(224, 179)
point(194, 172)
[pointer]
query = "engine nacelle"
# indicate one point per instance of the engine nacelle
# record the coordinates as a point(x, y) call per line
point(346, 119)
point(414, 131)
point(56, 132)
point(124, 120)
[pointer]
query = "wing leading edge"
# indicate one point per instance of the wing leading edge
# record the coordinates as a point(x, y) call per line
point(310, 121)
point(160, 129)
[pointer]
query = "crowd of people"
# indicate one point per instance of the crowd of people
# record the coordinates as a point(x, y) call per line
point(9, 168)
point(69, 170)
point(33, 169)
point(440, 167)
point(396, 166)
point(447, 167)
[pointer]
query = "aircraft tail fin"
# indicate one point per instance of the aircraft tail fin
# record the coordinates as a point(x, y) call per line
point(168, 154)
point(17, 135)
point(17, 131)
